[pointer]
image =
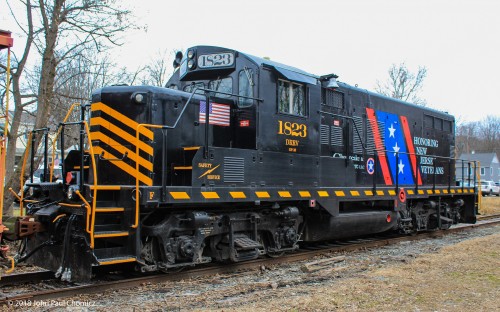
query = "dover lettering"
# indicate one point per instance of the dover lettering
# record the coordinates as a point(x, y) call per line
point(426, 162)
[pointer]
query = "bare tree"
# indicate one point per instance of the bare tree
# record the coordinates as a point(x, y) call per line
point(489, 133)
point(481, 137)
point(403, 84)
point(59, 30)
point(158, 70)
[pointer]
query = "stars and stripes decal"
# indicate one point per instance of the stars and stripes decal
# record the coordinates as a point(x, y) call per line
point(218, 114)
point(393, 152)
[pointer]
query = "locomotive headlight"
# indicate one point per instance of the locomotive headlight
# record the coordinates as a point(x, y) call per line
point(191, 64)
point(190, 54)
point(139, 98)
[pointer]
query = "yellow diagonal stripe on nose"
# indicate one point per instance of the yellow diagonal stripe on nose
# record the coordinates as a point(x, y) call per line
point(99, 121)
point(121, 149)
point(123, 166)
point(122, 118)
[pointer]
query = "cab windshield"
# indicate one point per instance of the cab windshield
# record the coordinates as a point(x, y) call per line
point(221, 84)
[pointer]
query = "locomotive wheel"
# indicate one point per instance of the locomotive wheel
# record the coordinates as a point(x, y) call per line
point(275, 254)
point(172, 270)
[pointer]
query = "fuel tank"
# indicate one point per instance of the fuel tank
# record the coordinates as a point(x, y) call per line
point(322, 226)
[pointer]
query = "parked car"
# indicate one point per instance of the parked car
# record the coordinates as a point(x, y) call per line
point(465, 183)
point(489, 188)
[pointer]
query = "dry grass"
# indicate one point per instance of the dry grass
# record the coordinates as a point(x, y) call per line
point(462, 277)
point(490, 205)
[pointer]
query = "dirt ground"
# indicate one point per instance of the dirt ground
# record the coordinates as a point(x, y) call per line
point(461, 277)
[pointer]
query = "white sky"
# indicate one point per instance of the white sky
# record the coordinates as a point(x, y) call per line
point(458, 41)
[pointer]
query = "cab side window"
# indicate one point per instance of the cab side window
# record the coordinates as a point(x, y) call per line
point(245, 87)
point(291, 98)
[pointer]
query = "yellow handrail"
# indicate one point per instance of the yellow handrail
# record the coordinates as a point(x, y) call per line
point(14, 193)
point(137, 134)
point(94, 172)
point(90, 223)
point(54, 142)
point(88, 207)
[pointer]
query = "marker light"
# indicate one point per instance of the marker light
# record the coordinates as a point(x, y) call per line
point(190, 54)
point(191, 64)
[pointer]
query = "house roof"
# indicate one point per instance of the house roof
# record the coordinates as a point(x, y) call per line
point(483, 158)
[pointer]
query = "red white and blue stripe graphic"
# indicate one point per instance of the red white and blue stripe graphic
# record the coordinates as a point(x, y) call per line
point(393, 152)
point(218, 114)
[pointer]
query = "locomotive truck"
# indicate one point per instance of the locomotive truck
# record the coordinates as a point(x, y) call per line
point(239, 157)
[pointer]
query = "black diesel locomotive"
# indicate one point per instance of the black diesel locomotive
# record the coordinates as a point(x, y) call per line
point(236, 158)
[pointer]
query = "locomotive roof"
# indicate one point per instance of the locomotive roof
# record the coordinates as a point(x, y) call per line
point(374, 94)
point(297, 74)
point(290, 72)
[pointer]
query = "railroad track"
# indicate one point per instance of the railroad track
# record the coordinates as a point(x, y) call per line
point(65, 291)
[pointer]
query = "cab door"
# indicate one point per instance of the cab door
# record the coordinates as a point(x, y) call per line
point(244, 121)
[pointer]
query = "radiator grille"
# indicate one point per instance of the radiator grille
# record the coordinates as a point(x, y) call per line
point(325, 135)
point(358, 135)
point(234, 170)
point(337, 137)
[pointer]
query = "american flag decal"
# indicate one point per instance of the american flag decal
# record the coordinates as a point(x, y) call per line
point(218, 114)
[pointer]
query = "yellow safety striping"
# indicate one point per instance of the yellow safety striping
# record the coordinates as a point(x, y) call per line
point(105, 235)
point(105, 209)
point(284, 194)
point(122, 118)
point(117, 261)
point(304, 194)
point(191, 148)
point(106, 187)
point(179, 195)
point(121, 149)
point(459, 191)
point(184, 168)
point(99, 121)
point(210, 195)
point(237, 195)
point(323, 194)
point(125, 167)
point(452, 191)
point(262, 194)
